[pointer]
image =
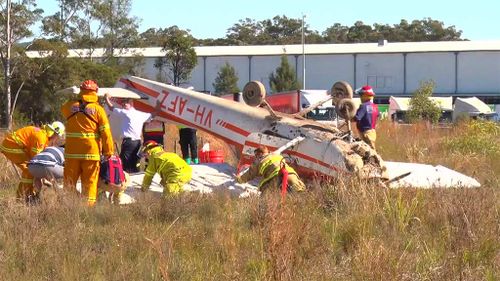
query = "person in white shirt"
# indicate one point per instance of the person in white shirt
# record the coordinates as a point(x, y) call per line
point(131, 123)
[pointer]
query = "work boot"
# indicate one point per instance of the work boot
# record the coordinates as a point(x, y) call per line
point(188, 160)
point(196, 161)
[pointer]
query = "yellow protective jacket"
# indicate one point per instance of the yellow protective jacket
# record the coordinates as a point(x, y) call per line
point(267, 168)
point(32, 140)
point(87, 132)
point(171, 167)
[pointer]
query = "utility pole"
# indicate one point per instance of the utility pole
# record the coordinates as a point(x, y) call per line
point(303, 55)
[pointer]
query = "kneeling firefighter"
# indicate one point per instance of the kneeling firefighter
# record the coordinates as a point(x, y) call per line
point(22, 145)
point(174, 171)
point(274, 171)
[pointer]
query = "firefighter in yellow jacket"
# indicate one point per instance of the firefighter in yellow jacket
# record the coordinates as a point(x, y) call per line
point(269, 167)
point(21, 145)
point(88, 136)
point(174, 171)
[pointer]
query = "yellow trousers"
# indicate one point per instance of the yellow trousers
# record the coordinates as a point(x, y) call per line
point(369, 136)
point(174, 186)
point(88, 172)
point(20, 158)
point(294, 182)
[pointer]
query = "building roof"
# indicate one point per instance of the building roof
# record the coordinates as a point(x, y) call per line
point(309, 49)
point(472, 104)
point(403, 103)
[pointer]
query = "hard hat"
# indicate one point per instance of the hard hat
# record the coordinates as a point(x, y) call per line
point(149, 145)
point(89, 85)
point(366, 90)
point(56, 127)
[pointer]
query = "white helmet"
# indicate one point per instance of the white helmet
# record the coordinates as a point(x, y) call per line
point(57, 127)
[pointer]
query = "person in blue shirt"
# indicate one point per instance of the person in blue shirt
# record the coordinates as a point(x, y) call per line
point(367, 115)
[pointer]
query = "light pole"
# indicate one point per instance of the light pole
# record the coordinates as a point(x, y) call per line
point(303, 55)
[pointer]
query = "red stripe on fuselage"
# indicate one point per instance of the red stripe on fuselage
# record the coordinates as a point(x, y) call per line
point(141, 88)
point(235, 129)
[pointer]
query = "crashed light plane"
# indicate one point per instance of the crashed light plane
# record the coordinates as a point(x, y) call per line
point(313, 148)
point(322, 152)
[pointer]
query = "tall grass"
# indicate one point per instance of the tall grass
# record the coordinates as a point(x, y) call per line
point(343, 230)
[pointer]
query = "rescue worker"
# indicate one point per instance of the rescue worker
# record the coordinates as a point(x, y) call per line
point(88, 136)
point(22, 145)
point(174, 171)
point(189, 144)
point(272, 169)
point(366, 116)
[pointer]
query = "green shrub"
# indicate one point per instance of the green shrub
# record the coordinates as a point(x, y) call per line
point(421, 107)
point(477, 137)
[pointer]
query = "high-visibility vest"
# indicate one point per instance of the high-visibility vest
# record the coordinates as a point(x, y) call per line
point(270, 166)
point(85, 136)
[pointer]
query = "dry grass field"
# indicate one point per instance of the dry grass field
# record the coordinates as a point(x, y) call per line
point(343, 230)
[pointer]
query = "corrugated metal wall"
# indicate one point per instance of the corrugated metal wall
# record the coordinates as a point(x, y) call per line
point(455, 73)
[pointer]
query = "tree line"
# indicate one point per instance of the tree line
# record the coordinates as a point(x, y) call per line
point(28, 84)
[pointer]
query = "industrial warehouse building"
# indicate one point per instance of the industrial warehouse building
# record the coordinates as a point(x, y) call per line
point(458, 68)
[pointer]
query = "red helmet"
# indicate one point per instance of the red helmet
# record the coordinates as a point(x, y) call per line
point(367, 90)
point(90, 85)
point(149, 144)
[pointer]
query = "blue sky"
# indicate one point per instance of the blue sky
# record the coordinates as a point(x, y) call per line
point(477, 19)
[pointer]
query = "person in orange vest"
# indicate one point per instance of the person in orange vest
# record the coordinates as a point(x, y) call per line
point(22, 145)
point(271, 168)
point(88, 135)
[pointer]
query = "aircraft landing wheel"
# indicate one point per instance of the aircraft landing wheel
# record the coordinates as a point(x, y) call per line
point(341, 90)
point(346, 109)
point(254, 93)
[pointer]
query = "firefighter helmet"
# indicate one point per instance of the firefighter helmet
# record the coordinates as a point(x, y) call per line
point(149, 145)
point(90, 85)
point(56, 127)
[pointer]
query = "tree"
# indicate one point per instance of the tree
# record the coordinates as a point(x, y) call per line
point(421, 107)
point(17, 19)
point(67, 71)
point(226, 81)
point(119, 29)
point(244, 32)
point(416, 31)
point(180, 58)
point(64, 23)
point(282, 30)
point(153, 37)
point(285, 77)
point(275, 31)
